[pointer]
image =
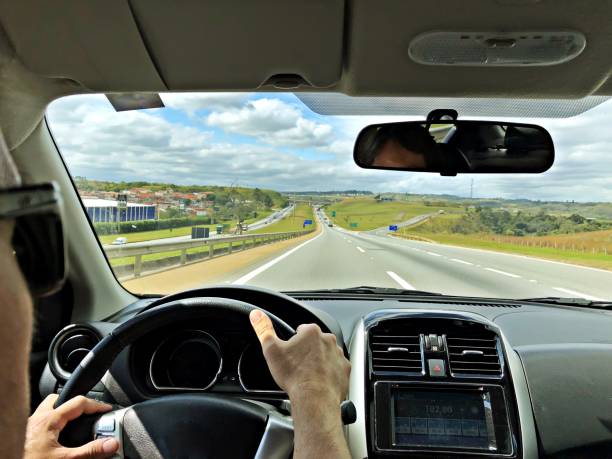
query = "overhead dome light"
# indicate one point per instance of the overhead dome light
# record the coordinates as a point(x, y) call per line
point(493, 49)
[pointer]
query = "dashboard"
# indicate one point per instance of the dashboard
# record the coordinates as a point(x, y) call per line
point(431, 377)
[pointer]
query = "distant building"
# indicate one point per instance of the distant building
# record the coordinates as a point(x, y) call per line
point(107, 210)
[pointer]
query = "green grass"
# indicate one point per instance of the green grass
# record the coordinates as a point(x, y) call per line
point(587, 258)
point(292, 222)
point(370, 214)
point(437, 229)
point(165, 233)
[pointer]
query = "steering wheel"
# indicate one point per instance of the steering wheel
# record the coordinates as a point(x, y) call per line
point(185, 426)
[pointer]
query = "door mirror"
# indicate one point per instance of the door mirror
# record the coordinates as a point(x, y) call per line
point(455, 147)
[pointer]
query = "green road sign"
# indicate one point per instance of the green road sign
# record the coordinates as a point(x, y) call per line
point(333, 213)
point(353, 225)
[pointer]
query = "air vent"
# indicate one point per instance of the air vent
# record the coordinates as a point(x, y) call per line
point(69, 347)
point(474, 354)
point(395, 348)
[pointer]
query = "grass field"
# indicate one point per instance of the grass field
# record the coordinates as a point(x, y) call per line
point(165, 233)
point(370, 214)
point(292, 222)
point(586, 248)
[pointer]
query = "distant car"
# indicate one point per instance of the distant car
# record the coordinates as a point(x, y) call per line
point(330, 224)
point(120, 241)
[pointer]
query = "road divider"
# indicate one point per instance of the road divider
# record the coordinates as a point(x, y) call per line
point(182, 252)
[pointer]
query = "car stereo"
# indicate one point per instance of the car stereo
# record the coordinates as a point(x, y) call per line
point(468, 418)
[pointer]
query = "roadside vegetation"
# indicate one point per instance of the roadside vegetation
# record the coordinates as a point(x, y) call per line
point(371, 213)
point(294, 221)
point(571, 239)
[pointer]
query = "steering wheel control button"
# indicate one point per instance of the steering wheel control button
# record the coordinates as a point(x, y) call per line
point(437, 368)
point(106, 424)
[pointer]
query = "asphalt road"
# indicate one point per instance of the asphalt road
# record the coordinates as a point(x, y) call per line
point(338, 258)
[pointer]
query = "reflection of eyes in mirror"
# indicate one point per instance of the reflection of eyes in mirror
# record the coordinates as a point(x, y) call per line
point(405, 147)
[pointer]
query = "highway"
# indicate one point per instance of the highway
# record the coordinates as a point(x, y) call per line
point(276, 216)
point(337, 258)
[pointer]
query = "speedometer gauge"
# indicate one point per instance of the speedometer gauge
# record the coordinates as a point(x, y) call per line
point(188, 360)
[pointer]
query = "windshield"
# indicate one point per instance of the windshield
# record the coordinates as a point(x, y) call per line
point(257, 189)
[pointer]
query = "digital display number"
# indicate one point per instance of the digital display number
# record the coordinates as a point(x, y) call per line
point(439, 409)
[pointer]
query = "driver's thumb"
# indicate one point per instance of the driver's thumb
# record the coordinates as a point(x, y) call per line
point(97, 449)
point(263, 327)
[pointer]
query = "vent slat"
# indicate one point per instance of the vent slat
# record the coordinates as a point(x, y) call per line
point(486, 364)
point(396, 361)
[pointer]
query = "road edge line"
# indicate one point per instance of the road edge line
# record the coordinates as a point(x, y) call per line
point(257, 271)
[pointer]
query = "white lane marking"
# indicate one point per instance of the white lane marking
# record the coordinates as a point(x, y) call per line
point(349, 241)
point(371, 258)
point(433, 254)
point(533, 281)
point(578, 294)
point(400, 281)
point(503, 273)
point(463, 262)
point(247, 277)
point(360, 249)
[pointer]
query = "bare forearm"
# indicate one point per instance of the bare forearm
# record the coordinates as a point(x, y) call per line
point(318, 429)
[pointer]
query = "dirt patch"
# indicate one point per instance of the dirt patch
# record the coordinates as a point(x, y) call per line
point(211, 271)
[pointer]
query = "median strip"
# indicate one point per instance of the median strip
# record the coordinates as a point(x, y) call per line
point(168, 254)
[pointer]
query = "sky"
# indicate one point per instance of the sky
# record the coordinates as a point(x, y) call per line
point(274, 141)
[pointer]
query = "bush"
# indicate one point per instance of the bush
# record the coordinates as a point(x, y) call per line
point(148, 225)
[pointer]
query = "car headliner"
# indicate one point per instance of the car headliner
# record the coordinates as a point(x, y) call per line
point(355, 47)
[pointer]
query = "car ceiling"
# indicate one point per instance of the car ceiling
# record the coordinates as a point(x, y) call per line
point(356, 47)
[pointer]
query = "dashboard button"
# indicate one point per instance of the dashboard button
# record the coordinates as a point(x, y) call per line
point(437, 368)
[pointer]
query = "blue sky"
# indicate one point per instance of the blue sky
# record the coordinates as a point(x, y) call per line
point(275, 141)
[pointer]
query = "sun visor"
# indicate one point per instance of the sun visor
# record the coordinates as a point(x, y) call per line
point(225, 45)
point(93, 42)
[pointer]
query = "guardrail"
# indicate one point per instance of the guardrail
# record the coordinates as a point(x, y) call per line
point(229, 244)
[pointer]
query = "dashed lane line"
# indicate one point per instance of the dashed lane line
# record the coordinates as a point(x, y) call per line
point(503, 273)
point(403, 283)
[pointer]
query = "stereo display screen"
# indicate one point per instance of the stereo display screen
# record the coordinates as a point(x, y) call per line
point(456, 419)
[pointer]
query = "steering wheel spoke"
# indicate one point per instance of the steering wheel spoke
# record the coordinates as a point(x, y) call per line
point(277, 440)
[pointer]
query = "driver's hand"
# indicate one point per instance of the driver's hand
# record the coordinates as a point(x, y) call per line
point(46, 423)
point(310, 364)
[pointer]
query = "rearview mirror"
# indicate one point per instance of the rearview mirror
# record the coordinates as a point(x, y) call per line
point(455, 147)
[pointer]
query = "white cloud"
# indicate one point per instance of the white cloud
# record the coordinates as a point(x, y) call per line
point(98, 142)
point(274, 122)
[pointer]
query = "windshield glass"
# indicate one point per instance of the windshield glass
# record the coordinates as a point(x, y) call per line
point(257, 189)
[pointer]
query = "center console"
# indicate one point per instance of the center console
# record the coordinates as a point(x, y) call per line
point(437, 387)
